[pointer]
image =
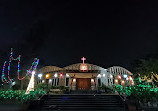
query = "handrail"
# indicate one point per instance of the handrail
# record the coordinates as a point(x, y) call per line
point(41, 96)
point(123, 99)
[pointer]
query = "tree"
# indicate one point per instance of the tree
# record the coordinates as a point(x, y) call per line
point(146, 67)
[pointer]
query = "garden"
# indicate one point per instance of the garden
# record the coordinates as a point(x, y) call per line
point(19, 96)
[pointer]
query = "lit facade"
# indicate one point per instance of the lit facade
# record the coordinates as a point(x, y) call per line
point(84, 76)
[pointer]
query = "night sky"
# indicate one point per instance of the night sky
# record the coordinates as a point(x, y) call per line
point(61, 32)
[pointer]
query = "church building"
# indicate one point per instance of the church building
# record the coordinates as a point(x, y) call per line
point(84, 76)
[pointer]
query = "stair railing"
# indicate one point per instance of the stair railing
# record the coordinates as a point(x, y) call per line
point(40, 97)
point(123, 99)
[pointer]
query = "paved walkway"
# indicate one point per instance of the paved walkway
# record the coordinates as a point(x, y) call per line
point(10, 107)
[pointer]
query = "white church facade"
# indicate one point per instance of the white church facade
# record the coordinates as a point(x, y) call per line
point(84, 76)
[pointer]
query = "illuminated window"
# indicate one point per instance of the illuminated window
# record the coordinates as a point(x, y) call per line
point(55, 81)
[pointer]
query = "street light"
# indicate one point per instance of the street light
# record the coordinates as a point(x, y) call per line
point(47, 76)
point(103, 75)
point(123, 82)
point(99, 75)
point(130, 78)
point(67, 75)
point(125, 76)
point(111, 76)
point(40, 76)
point(116, 81)
point(119, 77)
point(55, 75)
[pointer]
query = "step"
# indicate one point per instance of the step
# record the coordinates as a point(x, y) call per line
point(87, 108)
point(81, 99)
point(81, 103)
point(95, 98)
point(110, 102)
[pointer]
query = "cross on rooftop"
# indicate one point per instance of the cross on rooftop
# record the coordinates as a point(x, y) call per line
point(83, 59)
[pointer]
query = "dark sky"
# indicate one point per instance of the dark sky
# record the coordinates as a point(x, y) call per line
point(61, 32)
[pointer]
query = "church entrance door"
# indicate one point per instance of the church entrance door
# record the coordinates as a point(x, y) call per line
point(83, 83)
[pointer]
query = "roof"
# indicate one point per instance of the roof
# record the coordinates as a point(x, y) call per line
point(50, 69)
point(114, 69)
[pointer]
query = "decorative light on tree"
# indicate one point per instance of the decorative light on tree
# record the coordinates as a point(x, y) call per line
point(153, 76)
point(33, 67)
point(31, 83)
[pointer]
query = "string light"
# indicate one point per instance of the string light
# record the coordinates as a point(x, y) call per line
point(150, 79)
point(19, 95)
point(33, 67)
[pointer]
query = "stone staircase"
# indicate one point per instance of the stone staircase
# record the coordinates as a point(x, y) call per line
point(82, 102)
